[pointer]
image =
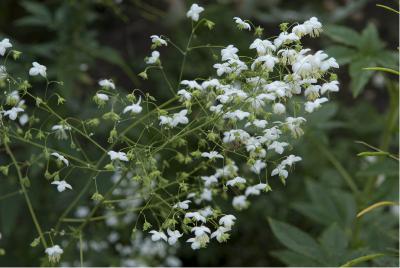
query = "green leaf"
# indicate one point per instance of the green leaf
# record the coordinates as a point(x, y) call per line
point(295, 239)
point(342, 54)
point(334, 242)
point(342, 35)
point(370, 42)
point(39, 11)
point(294, 259)
point(359, 77)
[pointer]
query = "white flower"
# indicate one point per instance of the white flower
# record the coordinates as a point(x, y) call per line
point(103, 97)
point(280, 170)
point(220, 234)
point(13, 112)
point(61, 131)
point(268, 62)
point(173, 236)
point(293, 125)
point(191, 84)
point(185, 95)
point(271, 134)
point(216, 109)
point(134, 108)
point(182, 205)
point(210, 83)
point(288, 56)
point(312, 92)
point(4, 44)
point(118, 155)
point(62, 185)
point(194, 12)
point(238, 114)
point(262, 46)
point(228, 221)
point(200, 230)
point(54, 253)
point(229, 53)
point(158, 41)
point(236, 180)
point(258, 166)
point(158, 235)
point(257, 123)
point(332, 86)
point(240, 202)
point(234, 135)
point(285, 38)
point(290, 160)
point(61, 158)
point(242, 24)
point(195, 215)
point(212, 155)
point(207, 211)
point(278, 108)
point(177, 118)
point(208, 180)
point(107, 83)
point(37, 69)
point(278, 146)
point(23, 119)
point(223, 68)
point(255, 189)
point(310, 106)
point(155, 55)
point(195, 243)
point(206, 195)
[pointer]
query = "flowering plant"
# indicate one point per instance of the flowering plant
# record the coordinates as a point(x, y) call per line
point(228, 134)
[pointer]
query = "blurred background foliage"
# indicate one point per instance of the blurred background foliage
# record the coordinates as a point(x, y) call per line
point(309, 222)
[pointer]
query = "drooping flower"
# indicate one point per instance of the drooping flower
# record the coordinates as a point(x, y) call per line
point(228, 221)
point(235, 181)
point(158, 235)
point(173, 236)
point(182, 205)
point(62, 185)
point(209, 180)
point(242, 24)
point(221, 234)
point(258, 166)
point(61, 158)
point(195, 215)
point(118, 156)
point(107, 83)
point(13, 112)
point(229, 53)
point(60, 131)
point(4, 44)
point(262, 46)
point(54, 253)
point(158, 41)
point(134, 108)
point(277, 146)
point(212, 155)
point(310, 106)
point(37, 69)
point(155, 55)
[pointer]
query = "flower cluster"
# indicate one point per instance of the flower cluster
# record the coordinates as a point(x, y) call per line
point(221, 136)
